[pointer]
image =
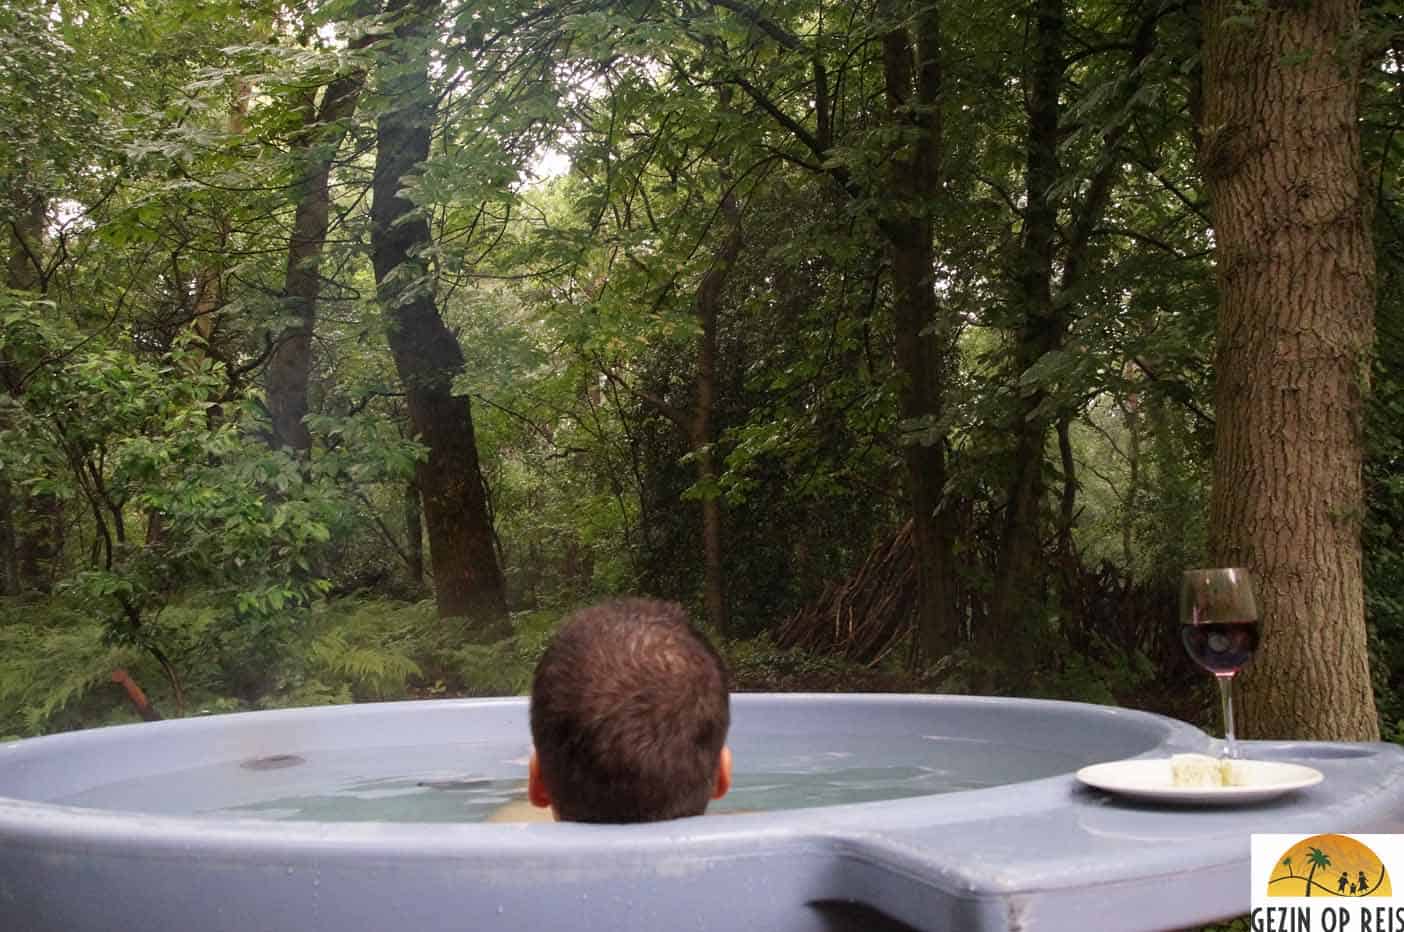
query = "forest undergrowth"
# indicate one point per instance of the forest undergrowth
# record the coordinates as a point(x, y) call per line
point(367, 649)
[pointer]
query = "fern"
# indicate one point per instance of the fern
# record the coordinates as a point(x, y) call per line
point(45, 670)
point(377, 670)
point(493, 669)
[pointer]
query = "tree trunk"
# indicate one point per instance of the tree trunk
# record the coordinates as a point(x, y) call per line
point(1046, 317)
point(1067, 504)
point(24, 269)
point(136, 696)
point(1280, 155)
point(701, 429)
point(911, 50)
point(467, 579)
point(1130, 410)
point(9, 556)
point(1018, 578)
point(290, 365)
point(414, 536)
point(912, 76)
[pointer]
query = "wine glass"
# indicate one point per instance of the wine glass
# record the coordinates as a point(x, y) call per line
point(1219, 627)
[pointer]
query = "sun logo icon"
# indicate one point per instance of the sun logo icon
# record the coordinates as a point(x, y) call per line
point(1329, 865)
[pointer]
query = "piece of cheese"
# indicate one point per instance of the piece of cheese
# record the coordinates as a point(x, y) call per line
point(1201, 770)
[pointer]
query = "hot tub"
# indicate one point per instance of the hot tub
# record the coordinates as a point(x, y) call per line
point(206, 824)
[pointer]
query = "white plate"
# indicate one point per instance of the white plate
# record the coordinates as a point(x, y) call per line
point(1150, 779)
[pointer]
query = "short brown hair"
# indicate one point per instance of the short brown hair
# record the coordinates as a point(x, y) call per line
point(629, 713)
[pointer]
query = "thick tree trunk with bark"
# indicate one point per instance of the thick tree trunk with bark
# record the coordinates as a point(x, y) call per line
point(912, 76)
point(290, 364)
point(1280, 153)
point(467, 578)
point(701, 430)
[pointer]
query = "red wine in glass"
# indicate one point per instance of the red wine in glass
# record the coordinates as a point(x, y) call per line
point(1221, 647)
point(1219, 628)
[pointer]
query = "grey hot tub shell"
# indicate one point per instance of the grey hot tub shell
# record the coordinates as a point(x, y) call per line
point(1045, 854)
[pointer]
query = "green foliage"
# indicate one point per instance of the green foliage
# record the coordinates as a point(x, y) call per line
point(757, 664)
point(505, 668)
point(56, 662)
point(168, 146)
point(1093, 677)
point(378, 673)
point(142, 440)
point(50, 660)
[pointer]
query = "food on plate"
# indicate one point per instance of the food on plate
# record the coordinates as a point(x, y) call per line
point(1202, 770)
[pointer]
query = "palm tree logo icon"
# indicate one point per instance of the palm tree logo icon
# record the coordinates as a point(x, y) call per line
point(1310, 866)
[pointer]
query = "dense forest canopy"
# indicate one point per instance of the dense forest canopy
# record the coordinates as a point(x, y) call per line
point(912, 344)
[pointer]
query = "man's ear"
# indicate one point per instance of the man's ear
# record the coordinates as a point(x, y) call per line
point(537, 794)
point(723, 774)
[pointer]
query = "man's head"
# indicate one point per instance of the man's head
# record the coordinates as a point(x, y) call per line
point(629, 713)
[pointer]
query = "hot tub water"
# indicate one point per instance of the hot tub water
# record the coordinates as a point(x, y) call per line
point(429, 783)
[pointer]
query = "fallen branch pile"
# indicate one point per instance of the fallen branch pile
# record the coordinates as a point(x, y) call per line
point(864, 617)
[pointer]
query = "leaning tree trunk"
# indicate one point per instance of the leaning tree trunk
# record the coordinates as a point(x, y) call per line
point(467, 578)
point(290, 364)
point(1280, 154)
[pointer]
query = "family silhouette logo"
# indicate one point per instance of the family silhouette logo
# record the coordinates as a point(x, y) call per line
point(1325, 883)
point(1329, 865)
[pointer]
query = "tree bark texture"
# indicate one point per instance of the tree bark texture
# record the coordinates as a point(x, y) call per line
point(467, 578)
point(912, 77)
point(1280, 154)
point(290, 364)
point(708, 306)
point(700, 427)
point(414, 536)
point(1041, 330)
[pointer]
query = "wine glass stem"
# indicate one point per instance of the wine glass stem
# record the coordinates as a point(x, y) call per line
point(1226, 696)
